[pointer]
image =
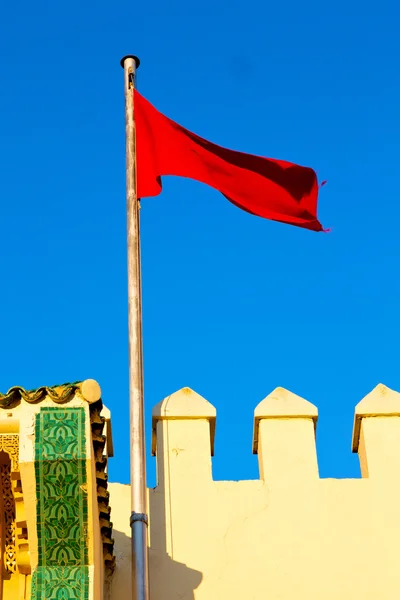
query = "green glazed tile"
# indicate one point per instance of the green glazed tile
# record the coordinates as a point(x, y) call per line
point(62, 509)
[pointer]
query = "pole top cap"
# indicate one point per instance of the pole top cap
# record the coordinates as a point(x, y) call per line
point(135, 58)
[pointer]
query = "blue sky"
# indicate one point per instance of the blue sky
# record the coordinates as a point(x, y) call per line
point(233, 305)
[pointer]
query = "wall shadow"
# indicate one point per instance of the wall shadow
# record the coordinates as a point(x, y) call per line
point(169, 579)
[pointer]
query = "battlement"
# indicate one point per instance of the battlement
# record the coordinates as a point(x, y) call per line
point(284, 434)
point(289, 534)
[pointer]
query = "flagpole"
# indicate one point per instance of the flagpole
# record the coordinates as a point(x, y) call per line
point(138, 519)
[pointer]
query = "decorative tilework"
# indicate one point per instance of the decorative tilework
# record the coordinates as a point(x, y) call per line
point(62, 507)
point(60, 583)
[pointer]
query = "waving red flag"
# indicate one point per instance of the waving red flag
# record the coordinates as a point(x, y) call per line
point(273, 189)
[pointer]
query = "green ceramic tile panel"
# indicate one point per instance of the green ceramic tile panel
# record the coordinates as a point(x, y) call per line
point(62, 507)
point(60, 583)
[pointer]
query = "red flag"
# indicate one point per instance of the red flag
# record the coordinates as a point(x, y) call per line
point(273, 189)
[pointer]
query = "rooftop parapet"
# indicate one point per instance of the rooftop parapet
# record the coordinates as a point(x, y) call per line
point(183, 433)
point(376, 432)
point(284, 436)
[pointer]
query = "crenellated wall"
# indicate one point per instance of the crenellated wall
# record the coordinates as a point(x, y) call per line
point(286, 536)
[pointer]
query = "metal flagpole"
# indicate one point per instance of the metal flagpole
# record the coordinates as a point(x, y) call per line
point(139, 519)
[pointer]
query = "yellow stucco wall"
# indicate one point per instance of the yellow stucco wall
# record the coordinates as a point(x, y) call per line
point(288, 535)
